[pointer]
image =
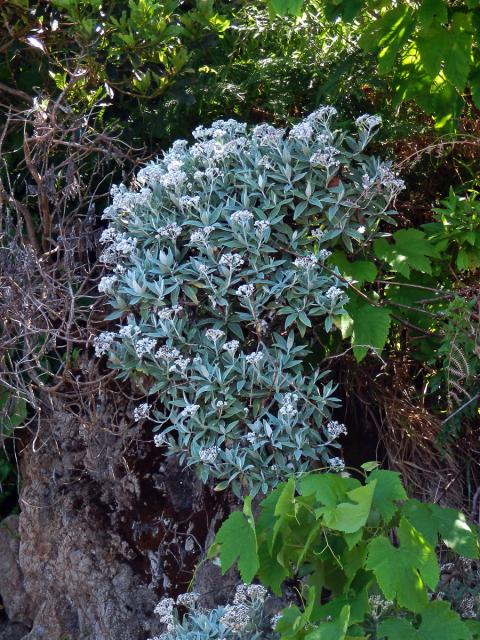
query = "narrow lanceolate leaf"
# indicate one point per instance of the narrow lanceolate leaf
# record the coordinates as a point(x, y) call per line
point(404, 573)
point(438, 621)
point(237, 541)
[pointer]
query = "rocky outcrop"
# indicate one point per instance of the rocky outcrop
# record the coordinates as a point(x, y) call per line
point(107, 526)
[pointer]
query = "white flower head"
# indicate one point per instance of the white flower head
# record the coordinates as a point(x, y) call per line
point(170, 231)
point(167, 353)
point(336, 429)
point(141, 412)
point(214, 334)
point(333, 293)
point(336, 464)
point(303, 132)
point(231, 346)
point(318, 234)
point(208, 455)
point(231, 260)
point(200, 236)
point(245, 291)
point(103, 343)
point(159, 439)
point(306, 262)
point(255, 358)
point(180, 366)
point(242, 217)
point(188, 600)
point(164, 610)
point(144, 346)
point(189, 411)
point(236, 617)
point(106, 284)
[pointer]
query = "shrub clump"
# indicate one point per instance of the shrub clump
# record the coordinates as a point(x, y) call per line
point(218, 273)
point(244, 619)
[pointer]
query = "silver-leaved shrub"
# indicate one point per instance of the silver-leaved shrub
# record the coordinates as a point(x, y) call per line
point(244, 619)
point(217, 272)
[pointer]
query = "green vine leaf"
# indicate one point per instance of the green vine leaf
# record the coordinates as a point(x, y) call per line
point(237, 540)
point(334, 630)
point(433, 522)
point(349, 516)
point(438, 621)
point(411, 249)
point(388, 490)
point(404, 573)
point(370, 327)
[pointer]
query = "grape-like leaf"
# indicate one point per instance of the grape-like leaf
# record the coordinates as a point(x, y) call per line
point(438, 621)
point(404, 573)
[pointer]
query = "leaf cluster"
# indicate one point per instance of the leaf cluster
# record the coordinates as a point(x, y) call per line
point(346, 541)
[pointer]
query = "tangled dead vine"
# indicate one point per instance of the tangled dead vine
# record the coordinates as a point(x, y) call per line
point(52, 184)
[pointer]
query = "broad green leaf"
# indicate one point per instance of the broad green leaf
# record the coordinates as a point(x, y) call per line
point(388, 34)
point(271, 572)
point(359, 271)
point(458, 54)
point(432, 11)
point(285, 7)
point(350, 516)
point(432, 43)
point(474, 628)
point(237, 540)
point(438, 621)
point(370, 327)
point(388, 490)
point(411, 249)
point(335, 630)
point(285, 508)
point(329, 488)
point(433, 521)
point(404, 573)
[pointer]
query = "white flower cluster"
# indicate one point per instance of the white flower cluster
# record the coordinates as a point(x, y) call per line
point(164, 611)
point(246, 593)
point(103, 343)
point(218, 263)
point(121, 246)
point(336, 464)
point(141, 412)
point(255, 358)
point(246, 290)
point(378, 606)
point(188, 600)
point(288, 407)
point(107, 283)
point(242, 217)
point(209, 454)
point(245, 618)
point(144, 346)
point(306, 262)
point(336, 429)
point(333, 293)
point(214, 334)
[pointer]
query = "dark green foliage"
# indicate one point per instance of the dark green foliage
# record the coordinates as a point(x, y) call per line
point(346, 541)
point(428, 49)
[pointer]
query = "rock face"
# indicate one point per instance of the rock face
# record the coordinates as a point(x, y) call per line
point(107, 527)
point(16, 603)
